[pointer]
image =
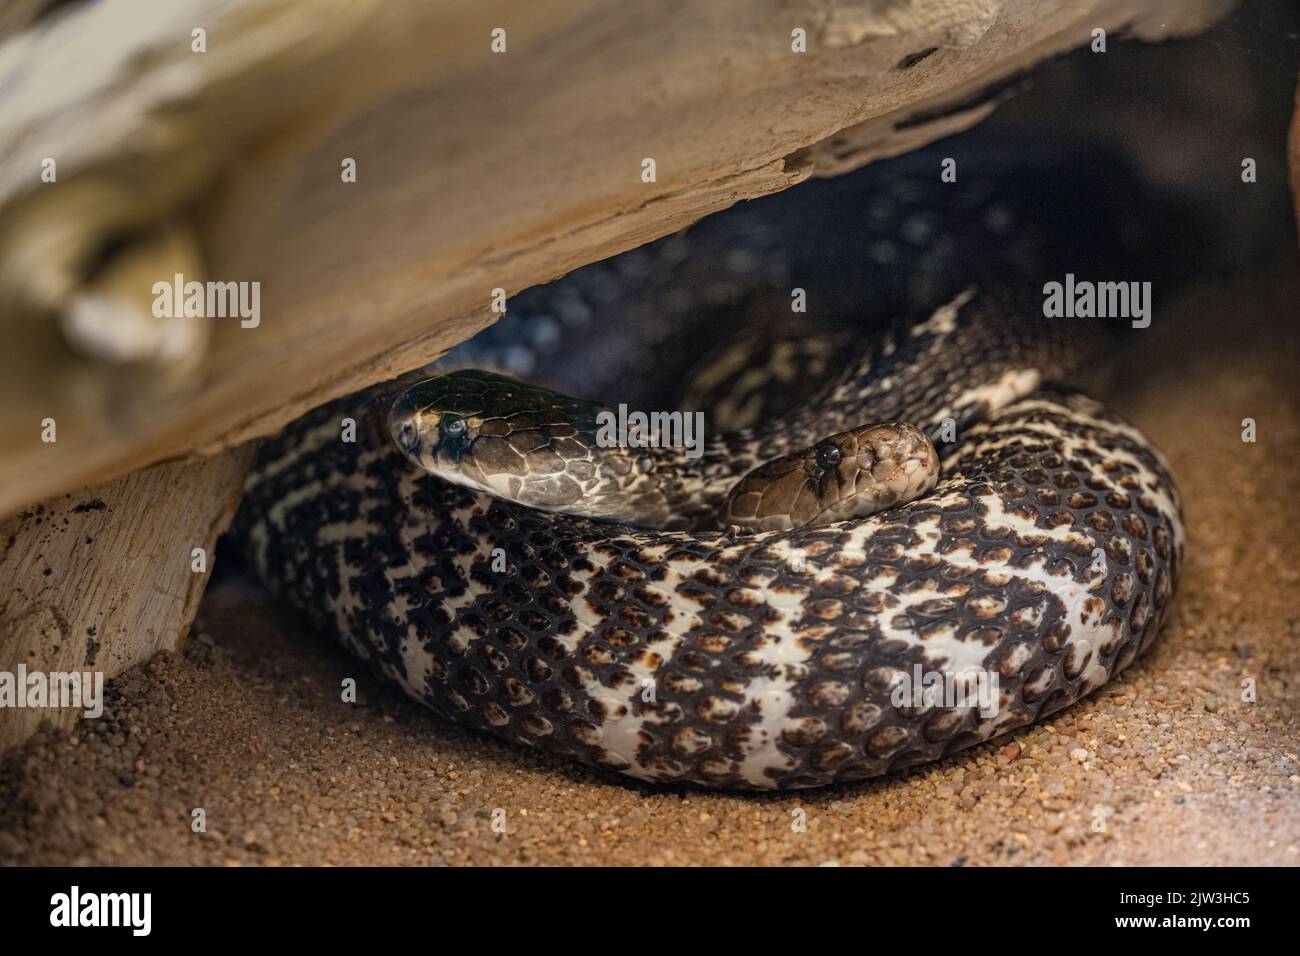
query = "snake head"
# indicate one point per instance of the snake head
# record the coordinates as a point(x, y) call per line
point(488, 431)
point(436, 422)
point(848, 475)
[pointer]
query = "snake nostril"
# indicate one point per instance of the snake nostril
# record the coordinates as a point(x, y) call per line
point(407, 437)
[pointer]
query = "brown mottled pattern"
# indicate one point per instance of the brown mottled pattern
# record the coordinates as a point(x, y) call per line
point(547, 653)
point(1047, 553)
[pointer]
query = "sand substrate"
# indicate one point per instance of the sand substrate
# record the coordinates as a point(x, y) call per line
point(1166, 765)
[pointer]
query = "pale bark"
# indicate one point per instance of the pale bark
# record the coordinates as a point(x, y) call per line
point(103, 579)
point(476, 170)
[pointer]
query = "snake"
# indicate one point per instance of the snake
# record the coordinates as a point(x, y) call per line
point(906, 532)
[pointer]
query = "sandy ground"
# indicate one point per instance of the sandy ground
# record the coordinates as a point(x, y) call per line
point(1167, 765)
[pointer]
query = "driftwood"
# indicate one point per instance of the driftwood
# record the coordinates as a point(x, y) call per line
point(475, 170)
point(102, 579)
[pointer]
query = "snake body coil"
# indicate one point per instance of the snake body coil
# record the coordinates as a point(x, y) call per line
point(1044, 559)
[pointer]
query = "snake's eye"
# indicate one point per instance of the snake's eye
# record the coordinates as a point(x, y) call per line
point(453, 426)
point(828, 456)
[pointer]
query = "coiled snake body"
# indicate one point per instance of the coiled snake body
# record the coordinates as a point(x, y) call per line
point(1044, 557)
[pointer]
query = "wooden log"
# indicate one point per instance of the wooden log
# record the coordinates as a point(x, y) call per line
point(101, 580)
point(475, 170)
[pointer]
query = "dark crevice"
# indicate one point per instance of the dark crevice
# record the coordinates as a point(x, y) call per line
point(909, 61)
point(995, 91)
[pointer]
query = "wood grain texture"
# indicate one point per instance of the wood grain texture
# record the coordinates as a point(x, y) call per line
point(476, 170)
point(102, 579)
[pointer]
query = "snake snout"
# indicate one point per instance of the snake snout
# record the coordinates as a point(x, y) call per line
point(404, 428)
point(902, 446)
point(896, 461)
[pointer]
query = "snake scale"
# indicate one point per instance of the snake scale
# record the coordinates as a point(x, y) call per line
point(1045, 556)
